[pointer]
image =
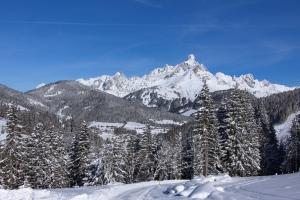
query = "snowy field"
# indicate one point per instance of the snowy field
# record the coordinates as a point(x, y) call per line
point(107, 129)
point(282, 187)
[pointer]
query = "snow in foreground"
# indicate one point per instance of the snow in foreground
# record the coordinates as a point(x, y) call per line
point(213, 187)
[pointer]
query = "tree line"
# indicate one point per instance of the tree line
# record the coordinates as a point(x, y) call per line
point(235, 137)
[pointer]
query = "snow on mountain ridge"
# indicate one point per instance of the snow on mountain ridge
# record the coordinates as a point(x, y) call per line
point(183, 80)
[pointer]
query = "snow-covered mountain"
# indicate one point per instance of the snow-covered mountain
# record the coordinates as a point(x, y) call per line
point(184, 80)
point(70, 98)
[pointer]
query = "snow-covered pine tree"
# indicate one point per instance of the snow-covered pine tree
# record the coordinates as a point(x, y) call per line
point(187, 151)
point(106, 163)
point(164, 164)
point(223, 122)
point(240, 155)
point(57, 157)
point(131, 158)
point(229, 140)
point(12, 153)
point(170, 159)
point(29, 159)
point(146, 156)
point(292, 161)
point(118, 157)
point(205, 137)
point(79, 157)
point(177, 162)
point(115, 160)
point(269, 151)
point(39, 157)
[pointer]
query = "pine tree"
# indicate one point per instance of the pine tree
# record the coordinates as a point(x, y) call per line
point(12, 154)
point(205, 137)
point(146, 156)
point(29, 159)
point(116, 162)
point(169, 159)
point(118, 158)
point(292, 162)
point(165, 159)
point(240, 150)
point(57, 154)
point(269, 151)
point(178, 163)
point(40, 157)
point(131, 159)
point(187, 151)
point(79, 157)
point(107, 173)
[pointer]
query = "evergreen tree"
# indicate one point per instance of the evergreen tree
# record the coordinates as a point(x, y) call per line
point(178, 163)
point(269, 151)
point(40, 158)
point(107, 173)
point(12, 154)
point(57, 154)
point(240, 150)
point(30, 158)
point(79, 157)
point(131, 159)
point(282, 156)
point(118, 158)
point(205, 137)
point(292, 162)
point(170, 159)
point(146, 156)
point(165, 159)
point(187, 151)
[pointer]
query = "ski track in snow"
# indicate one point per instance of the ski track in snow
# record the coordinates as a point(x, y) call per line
point(282, 187)
point(140, 193)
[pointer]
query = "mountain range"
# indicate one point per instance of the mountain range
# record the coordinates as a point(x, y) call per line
point(182, 80)
point(172, 87)
point(156, 98)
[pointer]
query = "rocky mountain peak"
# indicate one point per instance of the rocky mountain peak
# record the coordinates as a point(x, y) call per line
point(183, 80)
point(191, 63)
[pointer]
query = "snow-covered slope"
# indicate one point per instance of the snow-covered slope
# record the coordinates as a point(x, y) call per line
point(107, 129)
point(2, 129)
point(283, 187)
point(283, 130)
point(70, 98)
point(183, 80)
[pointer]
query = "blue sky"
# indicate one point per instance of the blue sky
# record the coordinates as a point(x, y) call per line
point(50, 40)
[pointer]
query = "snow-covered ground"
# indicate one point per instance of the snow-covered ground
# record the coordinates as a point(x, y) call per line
point(60, 113)
point(166, 121)
point(282, 187)
point(35, 102)
point(107, 129)
point(283, 130)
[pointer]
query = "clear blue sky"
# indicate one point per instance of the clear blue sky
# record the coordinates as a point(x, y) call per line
point(49, 40)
